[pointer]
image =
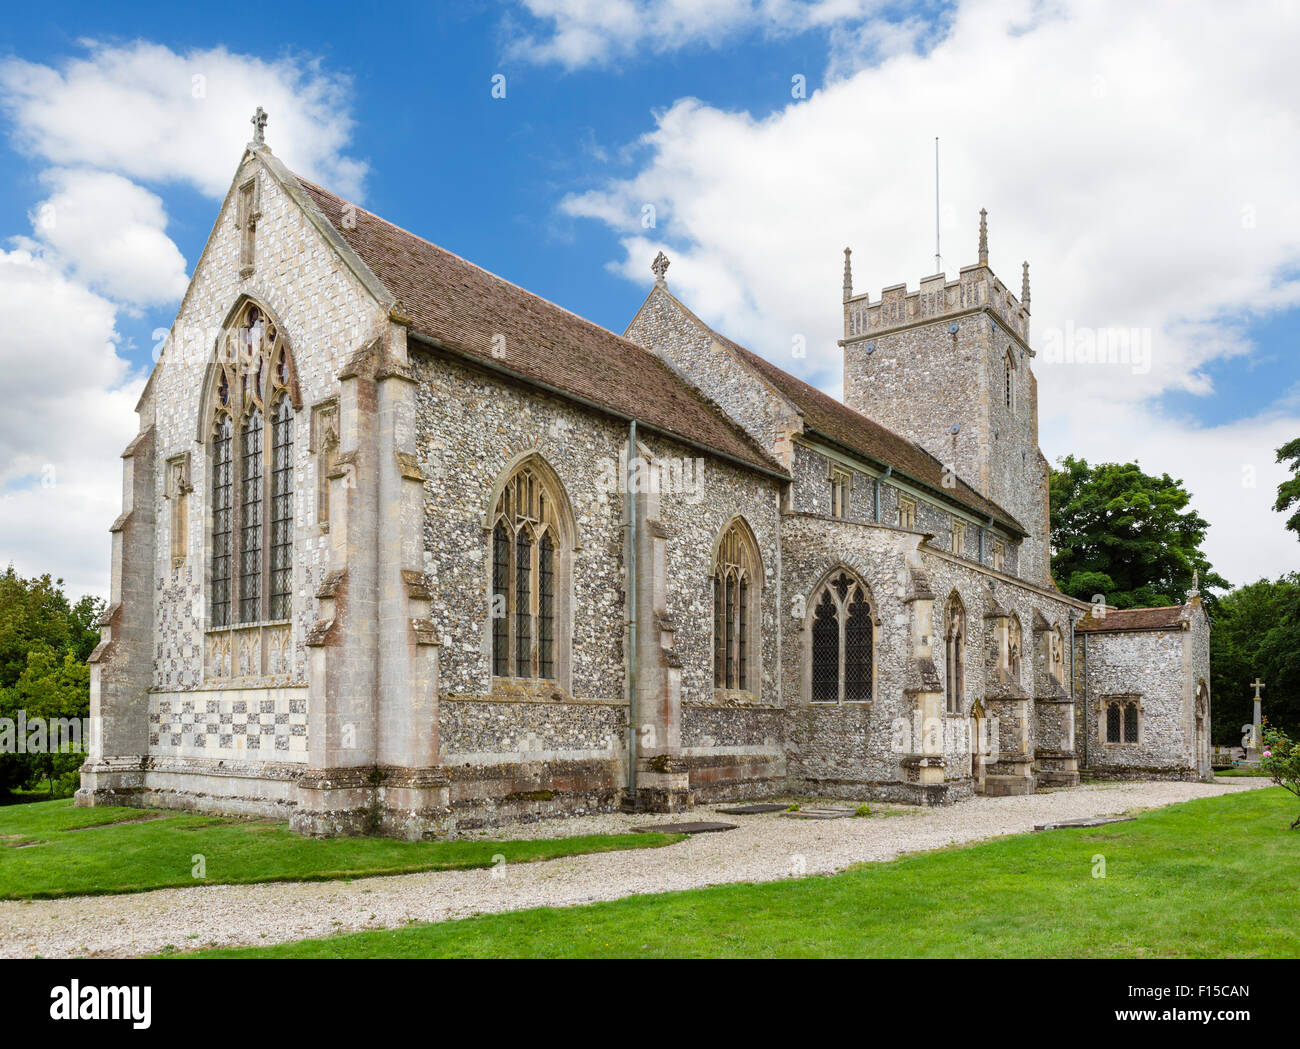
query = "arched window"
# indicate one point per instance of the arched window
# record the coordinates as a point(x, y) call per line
point(842, 642)
point(736, 586)
point(251, 569)
point(528, 544)
point(955, 653)
point(1011, 382)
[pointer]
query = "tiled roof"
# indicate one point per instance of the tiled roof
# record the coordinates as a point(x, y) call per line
point(836, 420)
point(1168, 617)
point(472, 312)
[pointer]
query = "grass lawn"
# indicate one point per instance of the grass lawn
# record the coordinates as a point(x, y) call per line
point(50, 849)
point(1218, 877)
point(1238, 773)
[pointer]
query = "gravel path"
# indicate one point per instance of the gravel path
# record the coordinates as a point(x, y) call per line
point(764, 848)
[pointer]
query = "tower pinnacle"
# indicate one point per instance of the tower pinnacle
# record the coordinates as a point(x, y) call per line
point(848, 275)
point(984, 237)
point(1024, 286)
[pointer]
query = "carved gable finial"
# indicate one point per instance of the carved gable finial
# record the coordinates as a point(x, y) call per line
point(258, 120)
point(848, 275)
point(1024, 286)
point(984, 237)
point(659, 267)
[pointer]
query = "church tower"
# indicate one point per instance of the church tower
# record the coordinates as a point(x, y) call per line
point(948, 366)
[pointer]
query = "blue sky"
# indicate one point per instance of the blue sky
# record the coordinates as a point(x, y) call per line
point(1150, 187)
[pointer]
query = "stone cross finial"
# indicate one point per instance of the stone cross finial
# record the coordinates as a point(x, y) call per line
point(848, 275)
point(1257, 685)
point(1024, 286)
point(659, 267)
point(258, 120)
point(984, 237)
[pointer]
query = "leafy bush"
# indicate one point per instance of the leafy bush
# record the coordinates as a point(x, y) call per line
point(1281, 760)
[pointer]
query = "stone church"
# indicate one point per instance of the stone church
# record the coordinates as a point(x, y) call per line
point(406, 549)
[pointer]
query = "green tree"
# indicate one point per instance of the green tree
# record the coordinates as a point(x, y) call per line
point(55, 688)
point(1127, 535)
point(1288, 492)
point(1256, 631)
point(44, 643)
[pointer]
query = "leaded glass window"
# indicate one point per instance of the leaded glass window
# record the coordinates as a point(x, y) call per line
point(842, 649)
point(250, 520)
point(1131, 723)
point(526, 547)
point(546, 606)
point(252, 474)
point(523, 603)
point(222, 501)
point(282, 510)
point(1123, 721)
point(500, 600)
point(826, 650)
point(734, 597)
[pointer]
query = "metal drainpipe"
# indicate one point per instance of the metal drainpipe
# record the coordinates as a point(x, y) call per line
point(1087, 730)
point(1073, 658)
point(632, 614)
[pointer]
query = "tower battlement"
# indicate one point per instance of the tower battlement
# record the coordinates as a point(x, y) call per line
point(976, 287)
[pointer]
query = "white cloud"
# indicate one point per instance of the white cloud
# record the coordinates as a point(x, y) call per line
point(69, 401)
point(157, 116)
point(103, 124)
point(578, 33)
point(109, 231)
point(1142, 159)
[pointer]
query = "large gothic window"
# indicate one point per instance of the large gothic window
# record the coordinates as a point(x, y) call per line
point(251, 469)
point(842, 640)
point(735, 608)
point(527, 547)
point(955, 653)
